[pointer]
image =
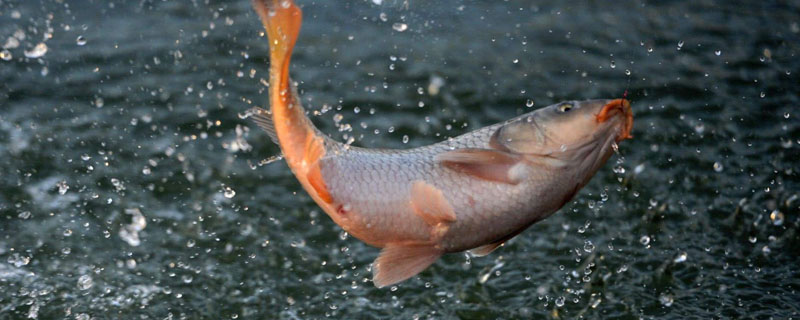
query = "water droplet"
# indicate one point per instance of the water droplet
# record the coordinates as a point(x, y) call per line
point(24, 215)
point(786, 115)
point(85, 282)
point(752, 239)
point(776, 217)
point(209, 85)
point(718, 52)
point(187, 278)
point(627, 72)
point(529, 103)
point(62, 187)
point(383, 17)
point(6, 55)
point(81, 40)
point(18, 261)
point(190, 243)
point(762, 94)
point(130, 232)
point(560, 301)
point(405, 138)
point(666, 299)
point(38, 51)
point(718, 167)
point(680, 44)
point(645, 240)
point(400, 27)
point(680, 258)
point(588, 246)
point(613, 64)
point(67, 232)
point(228, 192)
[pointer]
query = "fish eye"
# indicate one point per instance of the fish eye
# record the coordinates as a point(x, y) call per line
point(564, 107)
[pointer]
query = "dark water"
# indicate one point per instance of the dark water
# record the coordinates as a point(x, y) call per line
point(131, 188)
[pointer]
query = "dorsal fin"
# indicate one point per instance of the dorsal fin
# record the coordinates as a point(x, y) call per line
point(263, 118)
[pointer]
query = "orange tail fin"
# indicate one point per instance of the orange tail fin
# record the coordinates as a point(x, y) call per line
point(282, 20)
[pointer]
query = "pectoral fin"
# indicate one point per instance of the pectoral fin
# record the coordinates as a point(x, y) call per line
point(430, 204)
point(485, 164)
point(263, 118)
point(400, 262)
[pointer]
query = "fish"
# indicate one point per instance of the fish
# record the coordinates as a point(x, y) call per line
point(473, 192)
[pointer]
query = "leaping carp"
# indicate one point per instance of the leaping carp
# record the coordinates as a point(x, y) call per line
point(473, 192)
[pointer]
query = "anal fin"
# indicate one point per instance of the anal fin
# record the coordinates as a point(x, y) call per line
point(400, 262)
point(486, 249)
point(486, 164)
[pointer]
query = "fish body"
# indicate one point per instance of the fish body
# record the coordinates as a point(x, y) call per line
point(472, 192)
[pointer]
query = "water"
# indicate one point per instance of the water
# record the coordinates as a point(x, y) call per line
point(131, 188)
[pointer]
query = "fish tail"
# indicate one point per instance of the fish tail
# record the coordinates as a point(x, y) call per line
point(295, 132)
point(301, 143)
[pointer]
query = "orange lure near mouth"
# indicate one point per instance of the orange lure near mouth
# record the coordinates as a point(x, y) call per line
point(618, 105)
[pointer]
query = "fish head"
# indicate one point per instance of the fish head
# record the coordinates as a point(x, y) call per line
point(568, 130)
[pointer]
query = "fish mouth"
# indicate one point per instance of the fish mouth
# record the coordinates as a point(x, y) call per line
point(614, 107)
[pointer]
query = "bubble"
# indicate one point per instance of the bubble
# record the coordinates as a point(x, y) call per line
point(718, 167)
point(81, 41)
point(776, 217)
point(645, 240)
point(399, 26)
point(85, 282)
point(37, 52)
point(6, 55)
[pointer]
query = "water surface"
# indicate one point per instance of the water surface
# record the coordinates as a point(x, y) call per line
point(130, 187)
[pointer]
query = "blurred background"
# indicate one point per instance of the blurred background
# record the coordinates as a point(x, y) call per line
point(131, 186)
